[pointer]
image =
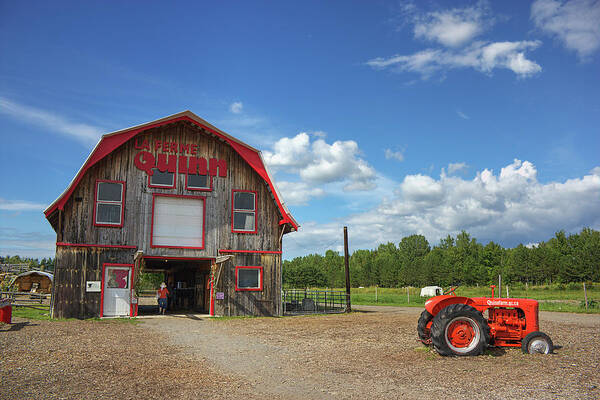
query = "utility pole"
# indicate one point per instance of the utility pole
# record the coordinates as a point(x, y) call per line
point(346, 262)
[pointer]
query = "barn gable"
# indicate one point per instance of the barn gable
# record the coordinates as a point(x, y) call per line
point(112, 141)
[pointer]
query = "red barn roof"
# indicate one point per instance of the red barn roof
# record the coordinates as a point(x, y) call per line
point(112, 141)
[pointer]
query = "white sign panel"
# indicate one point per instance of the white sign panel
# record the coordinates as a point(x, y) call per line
point(92, 286)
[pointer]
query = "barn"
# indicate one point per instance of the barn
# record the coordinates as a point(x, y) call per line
point(175, 196)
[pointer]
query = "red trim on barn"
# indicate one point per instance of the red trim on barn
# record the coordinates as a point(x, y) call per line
point(102, 286)
point(113, 246)
point(260, 281)
point(122, 203)
point(255, 211)
point(179, 258)
point(154, 196)
point(250, 251)
point(110, 142)
point(208, 189)
point(212, 293)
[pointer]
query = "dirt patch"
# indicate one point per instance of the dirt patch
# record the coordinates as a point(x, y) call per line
point(376, 355)
point(362, 355)
point(102, 359)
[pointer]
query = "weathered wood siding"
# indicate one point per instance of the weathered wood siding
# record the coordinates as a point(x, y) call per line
point(75, 265)
point(78, 214)
point(264, 303)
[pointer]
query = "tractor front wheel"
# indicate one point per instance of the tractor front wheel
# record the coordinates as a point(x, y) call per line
point(537, 342)
point(460, 330)
point(424, 326)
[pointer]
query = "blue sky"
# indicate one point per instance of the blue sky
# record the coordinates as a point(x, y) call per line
point(390, 117)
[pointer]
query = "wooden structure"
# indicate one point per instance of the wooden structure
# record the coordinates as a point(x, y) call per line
point(177, 196)
point(33, 281)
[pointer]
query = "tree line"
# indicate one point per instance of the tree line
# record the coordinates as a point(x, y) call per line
point(455, 260)
point(34, 263)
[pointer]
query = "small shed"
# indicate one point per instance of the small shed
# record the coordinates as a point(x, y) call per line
point(33, 281)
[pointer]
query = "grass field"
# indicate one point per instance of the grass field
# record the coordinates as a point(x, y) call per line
point(566, 298)
point(39, 313)
point(43, 313)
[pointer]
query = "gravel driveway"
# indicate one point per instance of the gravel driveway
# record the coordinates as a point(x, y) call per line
point(371, 354)
point(374, 354)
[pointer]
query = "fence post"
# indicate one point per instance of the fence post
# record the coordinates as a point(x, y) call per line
point(346, 262)
point(500, 285)
point(585, 295)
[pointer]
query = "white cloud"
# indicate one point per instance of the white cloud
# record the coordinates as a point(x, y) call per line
point(397, 155)
point(320, 163)
point(291, 153)
point(462, 115)
point(455, 167)
point(451, 28)
point(298, 193)
point(20, 205)
point(510, 207)
point(27, 244)
point(87, 134)
point(456, 29)
point(236, 107)
point(575, 23)
point(481, 56)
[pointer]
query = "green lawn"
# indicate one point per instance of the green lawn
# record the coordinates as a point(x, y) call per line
point(43, 313)
point(569, 298)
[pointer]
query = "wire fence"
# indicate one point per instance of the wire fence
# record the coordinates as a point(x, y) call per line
point(26, 299)
point(15, 268)
point(309, 301)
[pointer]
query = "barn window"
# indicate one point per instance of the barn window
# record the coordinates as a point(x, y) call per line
point(177, 221)
point(244, 211)
point(162, 179)
point(198, 182)
point(108, 207)
point(248, 278)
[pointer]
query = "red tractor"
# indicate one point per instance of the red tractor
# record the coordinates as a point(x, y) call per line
point(463, 326)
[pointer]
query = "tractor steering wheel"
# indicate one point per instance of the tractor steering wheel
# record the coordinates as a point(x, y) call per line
point(451, 291)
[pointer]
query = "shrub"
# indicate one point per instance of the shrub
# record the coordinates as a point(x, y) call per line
point(591, 304)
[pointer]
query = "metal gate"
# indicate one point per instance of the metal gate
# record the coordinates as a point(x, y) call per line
point(309, 301)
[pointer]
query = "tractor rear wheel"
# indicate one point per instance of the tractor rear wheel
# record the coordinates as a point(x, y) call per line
point(460, 330)
point(424, 326)
point(537, 342)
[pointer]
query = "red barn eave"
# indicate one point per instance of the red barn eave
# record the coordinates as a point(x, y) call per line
point(112, 141)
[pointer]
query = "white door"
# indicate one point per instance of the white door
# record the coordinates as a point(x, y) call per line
point(117, 291)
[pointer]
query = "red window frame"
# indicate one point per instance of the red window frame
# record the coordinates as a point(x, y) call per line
point(150, 185)
point(233, 210)
point(154, 196)
point(122, 203)
point(260, 279)
point(209, 189)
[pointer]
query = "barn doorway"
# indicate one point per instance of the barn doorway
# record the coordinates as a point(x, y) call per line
point(188, 282)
